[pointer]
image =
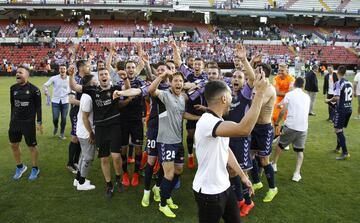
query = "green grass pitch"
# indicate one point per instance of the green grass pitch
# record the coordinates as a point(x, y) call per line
point(329, 191)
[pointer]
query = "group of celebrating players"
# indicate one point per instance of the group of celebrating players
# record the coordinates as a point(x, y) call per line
point(108, 109)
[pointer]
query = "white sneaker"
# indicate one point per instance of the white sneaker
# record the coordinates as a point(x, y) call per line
point(296, 177)
point(274, 166)
point(85, 186)
point(287, 148)
point(76, 182)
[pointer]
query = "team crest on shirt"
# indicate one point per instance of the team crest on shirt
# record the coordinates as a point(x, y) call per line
point(97, 95)
point(27, 92)
point(108, 94)
point(15, 93)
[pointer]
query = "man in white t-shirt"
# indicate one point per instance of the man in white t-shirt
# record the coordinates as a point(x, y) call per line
point(85, 132)
point(60, 99)
point(297, 103)
point(356, 91)
point(214, 196)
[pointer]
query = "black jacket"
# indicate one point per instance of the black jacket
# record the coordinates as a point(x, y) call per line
point(326, 82)
point(311, 82)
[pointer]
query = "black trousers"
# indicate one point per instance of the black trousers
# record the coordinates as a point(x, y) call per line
point(331, 107)
point(211, 208)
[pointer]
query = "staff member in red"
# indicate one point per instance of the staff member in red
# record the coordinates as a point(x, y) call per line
point(214, 197)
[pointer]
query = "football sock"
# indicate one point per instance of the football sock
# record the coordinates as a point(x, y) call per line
point(255, 172)
point(160, 176)
point(236, 186)
point(81, 180)
point(20, 166)
point(148, 174)
point(190, 143)
point(137, 162)
point(35, 167)
point(269, 172)
point(342, 141)
point(246, 194)
point(78, 175)
point(130, 150)
point(109, 184)
point(71, 153)
point(174, 181)
point(124, 163)
point(117, 178)
point(165, 189)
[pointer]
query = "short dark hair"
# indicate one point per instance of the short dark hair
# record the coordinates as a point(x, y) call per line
point(62, 65)
point(213, 89)
point(80, 63)
point(315, 68)
point(101, 69)
point(176, 74)
point(160, 63)
point(211, 64)
point(120, 65)
point(266, 68)
point(25, 68)
point(198, 59)
point(170, 61)
point(87, 79)
point(341, 70)
point(100, 61)
point(299, 82)
point(130, 61)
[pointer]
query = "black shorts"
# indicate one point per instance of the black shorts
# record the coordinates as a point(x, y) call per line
point(27, 129)
point(108, 139)
point(135, 129)
point(241, 148)
point(191, 124)
point(341, 119)
point(151, 136)
point(171, 152)
point(261, 139)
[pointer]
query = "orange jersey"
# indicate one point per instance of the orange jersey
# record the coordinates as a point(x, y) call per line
point(283, 85)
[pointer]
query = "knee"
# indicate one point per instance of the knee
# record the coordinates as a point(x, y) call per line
point(264, 161)
point(105, 160)
point(178, 170)
point(151, 160)
point(15, 146)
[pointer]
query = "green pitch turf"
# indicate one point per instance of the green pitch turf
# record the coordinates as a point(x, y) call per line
point(329, 191)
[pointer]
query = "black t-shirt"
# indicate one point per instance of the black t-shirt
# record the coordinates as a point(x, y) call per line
point(106, 110)
point(134, 110)
point(25, 102)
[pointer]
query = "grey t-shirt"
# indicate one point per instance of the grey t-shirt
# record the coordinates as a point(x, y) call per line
point(170, 121)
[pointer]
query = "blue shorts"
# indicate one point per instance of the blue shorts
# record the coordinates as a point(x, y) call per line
point(151, 136)
point(171, 152)
point(261, 139)
point(341, 119)
point(241, 149)
point(73, 120)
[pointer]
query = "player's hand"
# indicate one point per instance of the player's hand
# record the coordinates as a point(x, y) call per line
point(122, 74)
point(256, 59)
point(260, 83)
point(39, 128)
point(116, 94)
point(164, 75)
point(145, 57)
point(277, 130)
point(240, 51)
point(327, 100)
point(92, 138)
point(71, 70)
point(112, 47)
point(139, 48)
point(200, 108)
point(248, 184)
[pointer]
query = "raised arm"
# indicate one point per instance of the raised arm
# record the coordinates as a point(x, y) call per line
point(132, 92)
point(110, 57)
point(176, 56)
point(153, 88)
point(73, 85)
point(148, 70)
point(245, 126)
point(240, 51)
